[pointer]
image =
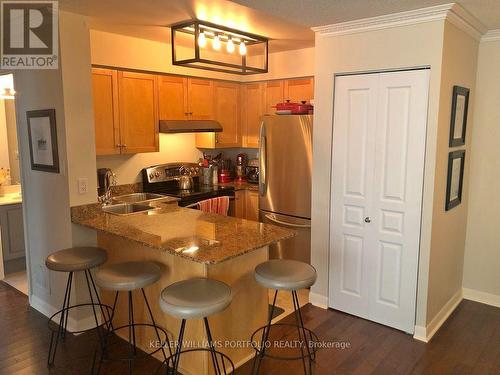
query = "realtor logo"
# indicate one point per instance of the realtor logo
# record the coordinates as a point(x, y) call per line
point(29, 34)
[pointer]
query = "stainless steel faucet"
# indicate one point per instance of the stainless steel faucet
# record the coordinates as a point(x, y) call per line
point(109, 181)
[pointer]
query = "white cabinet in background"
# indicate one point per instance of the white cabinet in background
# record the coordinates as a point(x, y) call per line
point(12, 231)
point(377, 178)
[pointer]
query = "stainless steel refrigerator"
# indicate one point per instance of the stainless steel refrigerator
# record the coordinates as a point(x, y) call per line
point(285, 181)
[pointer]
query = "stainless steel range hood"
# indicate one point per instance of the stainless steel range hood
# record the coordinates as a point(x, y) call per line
point(189, 126)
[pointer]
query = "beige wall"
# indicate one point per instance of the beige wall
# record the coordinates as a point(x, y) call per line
point(4, 144)
point(173, 148)
point(403, 47)
point(10, 117)
point(449, 227)
point(47, 197)
point(482, 250)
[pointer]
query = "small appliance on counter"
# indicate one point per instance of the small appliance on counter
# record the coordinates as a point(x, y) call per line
point(225, 171)
point(241, 164)
point(252, 171)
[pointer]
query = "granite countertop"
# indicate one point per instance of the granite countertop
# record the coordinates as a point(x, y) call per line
point(14, 198)
point(192, 234)
point(241, 185)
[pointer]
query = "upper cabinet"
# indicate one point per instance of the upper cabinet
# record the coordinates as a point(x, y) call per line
point(138, 105)
point(252, 109)
point(128, 107)
point(298, 90)
point(125, 112)
point(227, 113)
point(173, 98)
point(201, 99)
point(273, 93)
point(106, 115)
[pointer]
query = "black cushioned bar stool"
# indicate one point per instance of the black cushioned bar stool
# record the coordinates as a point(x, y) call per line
point(197, 299)
point(127, 277)
point(73, 260)
point(287, 275)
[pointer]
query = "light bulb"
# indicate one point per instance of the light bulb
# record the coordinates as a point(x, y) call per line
point(216, 43)
point(230, 45)
point(202, 40)
point(243, 48)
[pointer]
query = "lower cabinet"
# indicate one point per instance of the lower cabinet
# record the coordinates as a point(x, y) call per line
point(12, 231)
point(246, 204)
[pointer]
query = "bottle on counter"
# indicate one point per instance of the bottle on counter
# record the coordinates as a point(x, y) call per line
point(215, 174)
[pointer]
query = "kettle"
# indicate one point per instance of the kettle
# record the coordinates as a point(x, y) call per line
point(185, 180)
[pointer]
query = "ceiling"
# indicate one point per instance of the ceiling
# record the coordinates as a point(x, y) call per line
point(326, 12)
point(149, 19)
point(286, 22)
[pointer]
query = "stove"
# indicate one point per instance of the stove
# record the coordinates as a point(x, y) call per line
point(163, 179)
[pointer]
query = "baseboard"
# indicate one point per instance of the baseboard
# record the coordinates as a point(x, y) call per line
point(318, 300)
point(48, 310)
point(482, 297)
point(425, 333)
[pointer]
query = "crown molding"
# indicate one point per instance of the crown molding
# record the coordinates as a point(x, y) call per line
point(451, 12)
point(491, 36)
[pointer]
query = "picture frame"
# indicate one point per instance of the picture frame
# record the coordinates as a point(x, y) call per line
point(459, 111)
point(454, 184)
point(42, 134)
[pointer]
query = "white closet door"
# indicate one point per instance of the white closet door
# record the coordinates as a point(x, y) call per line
point(391, 225)
point(353, 148)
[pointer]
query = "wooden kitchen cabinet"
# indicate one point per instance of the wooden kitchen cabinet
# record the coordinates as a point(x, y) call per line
point(246, 204)
point(300, 89)
point(239, 203)
point(227, 113)
point(273, 94)
point(173, 98)
point(201, 99)
point(106, 114)
point(125, 112)
point(12, 231)
point(252, 109)
point(252, 205)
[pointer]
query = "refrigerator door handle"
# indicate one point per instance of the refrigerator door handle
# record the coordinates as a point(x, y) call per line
point(293, 225)
point(262, 160)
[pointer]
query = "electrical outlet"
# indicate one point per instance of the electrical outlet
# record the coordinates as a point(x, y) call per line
point(83, 185)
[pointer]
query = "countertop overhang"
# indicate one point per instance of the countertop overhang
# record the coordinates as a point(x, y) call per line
point(191, 234)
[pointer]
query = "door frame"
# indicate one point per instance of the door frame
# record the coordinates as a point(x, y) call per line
point(22, 161)
point(330, 210)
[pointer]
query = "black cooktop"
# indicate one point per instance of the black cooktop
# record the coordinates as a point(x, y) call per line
point(198, 191)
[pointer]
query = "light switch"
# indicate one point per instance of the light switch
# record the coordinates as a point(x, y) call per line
point(83, 185)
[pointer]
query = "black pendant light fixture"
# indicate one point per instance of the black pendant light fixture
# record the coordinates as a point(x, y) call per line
point(204, 45)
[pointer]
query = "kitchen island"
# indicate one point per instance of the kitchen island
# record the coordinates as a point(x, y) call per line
point(189, 243)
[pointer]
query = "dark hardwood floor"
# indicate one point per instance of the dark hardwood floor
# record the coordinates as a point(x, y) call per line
point(468, 343)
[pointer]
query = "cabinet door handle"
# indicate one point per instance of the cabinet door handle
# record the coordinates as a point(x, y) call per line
point(368, 220)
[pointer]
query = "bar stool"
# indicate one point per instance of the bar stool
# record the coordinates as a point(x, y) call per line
point(195, 299)
point(127, 277)
point(288, 275)
point(73, 260)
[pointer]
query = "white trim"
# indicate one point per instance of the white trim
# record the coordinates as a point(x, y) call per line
point(425, 333)
point(452, 12)
point(491, 36)
point(48, 310)
point(482, 297)
point(318, 300)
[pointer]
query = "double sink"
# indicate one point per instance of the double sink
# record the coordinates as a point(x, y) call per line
point(133, 203)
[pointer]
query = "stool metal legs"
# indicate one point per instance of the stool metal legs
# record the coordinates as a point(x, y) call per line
point(303, 338)
point(62, 323)
point(62, 328)
point(131, 333)
point(220, 367)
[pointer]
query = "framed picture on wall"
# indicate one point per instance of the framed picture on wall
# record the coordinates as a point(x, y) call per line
point(456, 161)
point(459, 109)
point(42, 135)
